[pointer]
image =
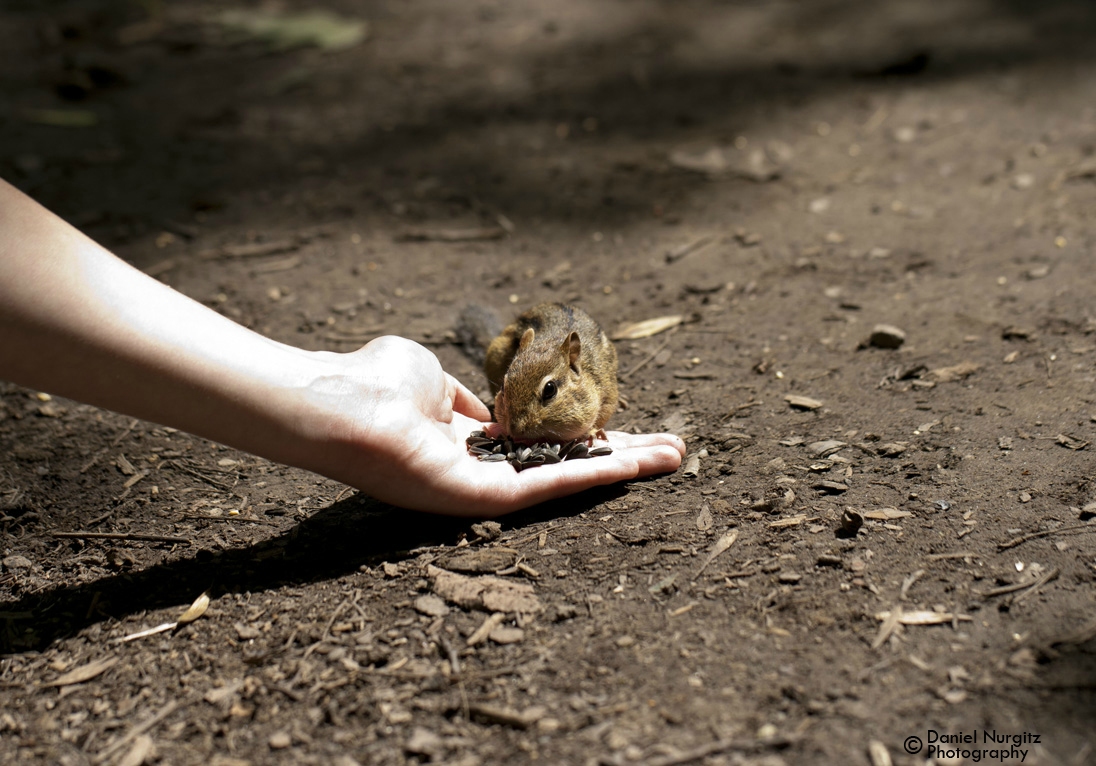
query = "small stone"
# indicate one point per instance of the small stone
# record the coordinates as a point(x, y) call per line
point(507, 635)
point(431, 606)
point(886, 336)
point(487, 530)
point(17, 563)
point(905, 134)
point(280, 740)
point(424, 742)
point(1025, 497)
point(891, 449)
point(1023, 181)
point(851, 521)
point(245, 632)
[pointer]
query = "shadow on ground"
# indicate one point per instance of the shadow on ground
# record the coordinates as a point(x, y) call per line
point(333, 542)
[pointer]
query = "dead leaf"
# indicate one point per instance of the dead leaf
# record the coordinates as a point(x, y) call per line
point(1070, 442)
point(720, 547)
point(85, 672)
point(704, 518)
point(647, 327)
point(802, 402)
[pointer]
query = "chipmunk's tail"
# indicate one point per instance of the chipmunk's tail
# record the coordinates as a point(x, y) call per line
point(477, 326)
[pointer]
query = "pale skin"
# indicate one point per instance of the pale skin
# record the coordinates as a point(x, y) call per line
point(76, 321)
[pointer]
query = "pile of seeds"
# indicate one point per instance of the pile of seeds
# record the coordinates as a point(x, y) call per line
point(523, 456)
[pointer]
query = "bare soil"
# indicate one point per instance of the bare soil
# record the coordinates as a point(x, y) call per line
point(785, 176)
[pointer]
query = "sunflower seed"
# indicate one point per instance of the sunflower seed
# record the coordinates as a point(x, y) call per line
point(522, 456)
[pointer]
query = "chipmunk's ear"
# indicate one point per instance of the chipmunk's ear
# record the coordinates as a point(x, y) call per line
point(526, 339)
point(572, 349)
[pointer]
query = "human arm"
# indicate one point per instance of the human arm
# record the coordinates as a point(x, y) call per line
point(79, 322)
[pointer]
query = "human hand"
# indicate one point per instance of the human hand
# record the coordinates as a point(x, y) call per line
point(394, 425)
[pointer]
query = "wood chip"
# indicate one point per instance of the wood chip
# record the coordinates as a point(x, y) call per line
point(802, 402)
point(85, 672)
point(887, 514)
point(886, 630)
point(955, 372)
point(647, 327)
point(491, 594)
point(506, 635)
point(922, 617)
point(478, 560)
point(792, 521)
point(162, 628)
point(507, 716)
point(480, 634)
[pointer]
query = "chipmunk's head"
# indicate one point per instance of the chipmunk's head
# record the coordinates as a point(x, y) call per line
point(545, 395)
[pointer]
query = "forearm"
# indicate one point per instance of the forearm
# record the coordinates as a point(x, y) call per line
point(78, 322)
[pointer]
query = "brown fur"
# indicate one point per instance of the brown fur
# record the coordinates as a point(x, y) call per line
point(560, 343)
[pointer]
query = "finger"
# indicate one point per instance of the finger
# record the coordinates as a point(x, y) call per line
point(622, 440)
point(662, 458)
point(504, 491)
point(465, 402)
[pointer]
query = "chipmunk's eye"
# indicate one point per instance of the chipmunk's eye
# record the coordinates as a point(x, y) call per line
point(548, 393)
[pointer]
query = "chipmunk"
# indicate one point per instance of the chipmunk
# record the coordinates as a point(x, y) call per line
point(553, 373)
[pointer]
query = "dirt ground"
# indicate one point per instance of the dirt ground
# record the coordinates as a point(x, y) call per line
point(784, 176)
